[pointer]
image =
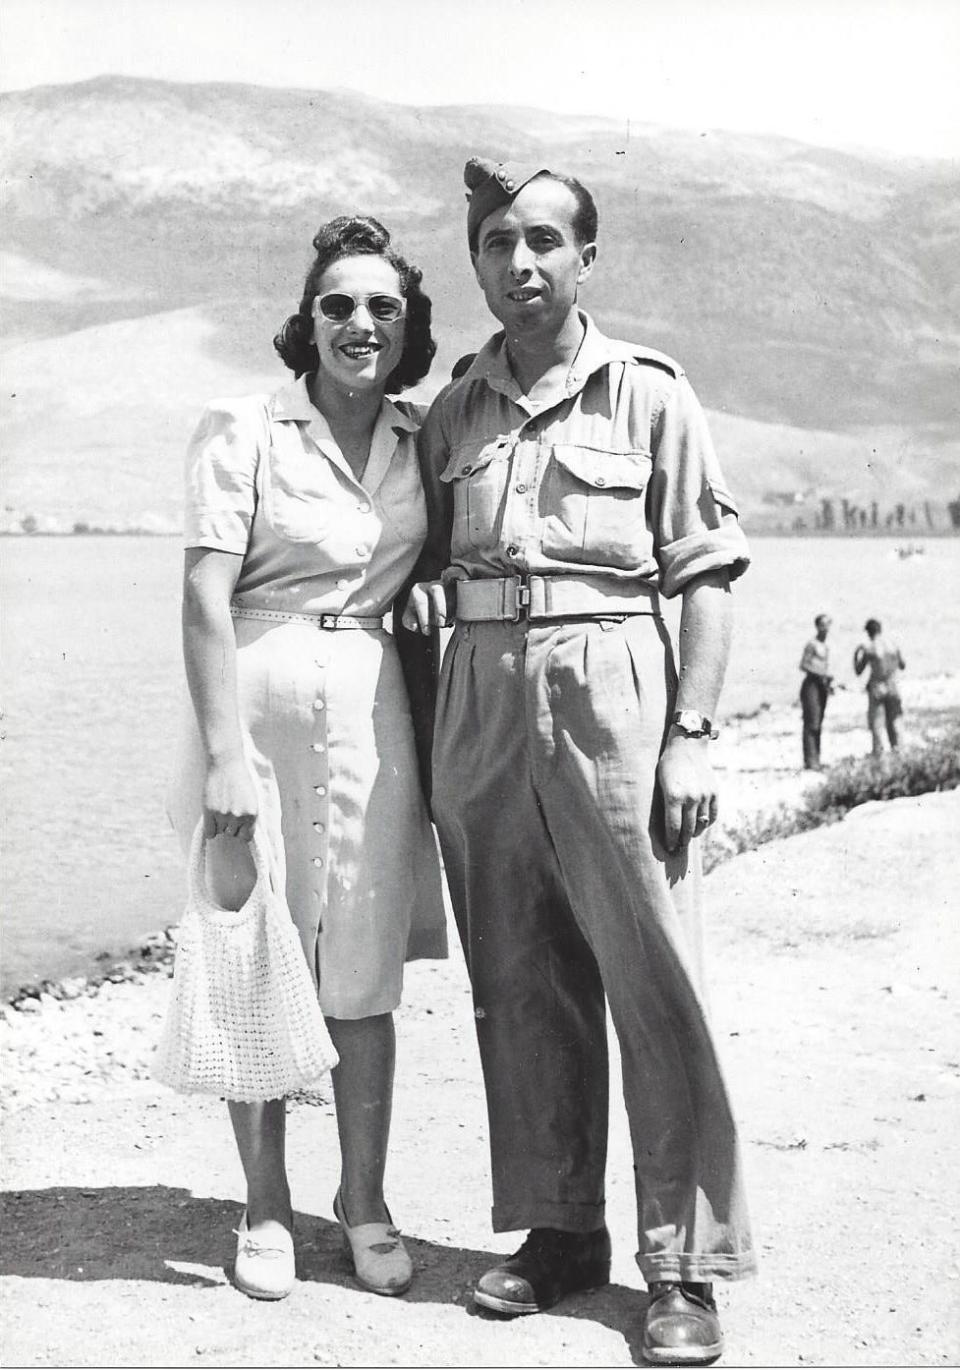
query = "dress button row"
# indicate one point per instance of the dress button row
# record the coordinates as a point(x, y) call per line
point(317, 747)
point(320, 790)
point(318, 860)
point(318, 704)
point(319, 827)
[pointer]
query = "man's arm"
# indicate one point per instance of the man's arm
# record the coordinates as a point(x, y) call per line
point(686, 776)
point(426, 607)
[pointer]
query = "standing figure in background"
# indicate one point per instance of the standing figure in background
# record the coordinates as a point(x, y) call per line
point(884, 706)
point(816, 688)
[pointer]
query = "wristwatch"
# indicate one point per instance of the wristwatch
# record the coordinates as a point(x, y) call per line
point(692, 724)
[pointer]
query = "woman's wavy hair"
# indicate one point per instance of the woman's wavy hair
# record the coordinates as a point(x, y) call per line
point(359, 235)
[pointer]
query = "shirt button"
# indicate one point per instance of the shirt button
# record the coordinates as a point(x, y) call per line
point(320, 790)
point(364, 508)
point(601, 480)
point(318, 860)
point(318, 827)
point(318, 704)
point(343, 584)
point(467, 470)
point(521, 489)
point(363, 551)
point(319, 747)
point(512, 550)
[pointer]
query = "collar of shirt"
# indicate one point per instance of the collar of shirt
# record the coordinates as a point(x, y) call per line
point(492, 364)
point(292, 403)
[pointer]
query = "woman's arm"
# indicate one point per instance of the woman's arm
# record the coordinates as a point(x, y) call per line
point(210, 657)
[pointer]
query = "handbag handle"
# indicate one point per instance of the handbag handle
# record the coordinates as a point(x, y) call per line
point(199, 892)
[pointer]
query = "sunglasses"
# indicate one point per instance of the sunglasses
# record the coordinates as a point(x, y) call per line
point(338, 307)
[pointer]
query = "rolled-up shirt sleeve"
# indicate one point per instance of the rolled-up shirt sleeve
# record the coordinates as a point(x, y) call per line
point(694, 518)
point(220, 477)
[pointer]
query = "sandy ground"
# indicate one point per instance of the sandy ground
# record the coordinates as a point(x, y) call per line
point(833, 959)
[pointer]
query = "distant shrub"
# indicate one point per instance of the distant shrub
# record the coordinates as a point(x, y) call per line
point(924, 769)
point(935, 765)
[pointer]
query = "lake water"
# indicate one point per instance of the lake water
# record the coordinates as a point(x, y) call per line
point(92, 688)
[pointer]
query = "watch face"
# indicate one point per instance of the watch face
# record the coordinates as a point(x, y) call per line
point(691, 722)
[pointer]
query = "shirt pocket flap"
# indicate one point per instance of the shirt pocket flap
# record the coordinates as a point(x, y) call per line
point(722, 496)
point(605, 470)
point(470, 457)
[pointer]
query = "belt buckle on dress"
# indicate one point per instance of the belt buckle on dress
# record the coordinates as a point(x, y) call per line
point(329, 621)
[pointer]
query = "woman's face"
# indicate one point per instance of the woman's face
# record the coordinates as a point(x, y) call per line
point(360, 352)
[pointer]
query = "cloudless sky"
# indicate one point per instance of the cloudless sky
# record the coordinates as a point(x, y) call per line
point(859, 73)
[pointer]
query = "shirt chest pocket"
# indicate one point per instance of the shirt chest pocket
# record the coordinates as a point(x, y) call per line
point(297, 504)
point(593, 505)
point(478, 473)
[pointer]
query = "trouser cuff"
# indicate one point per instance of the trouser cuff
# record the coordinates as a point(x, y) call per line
point(697, 1269)
point(565, 1217)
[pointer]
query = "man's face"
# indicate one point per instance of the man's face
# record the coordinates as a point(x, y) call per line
point(528, 262)
point(823, 627)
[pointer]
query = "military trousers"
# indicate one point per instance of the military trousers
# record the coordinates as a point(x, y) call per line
point(545, 798)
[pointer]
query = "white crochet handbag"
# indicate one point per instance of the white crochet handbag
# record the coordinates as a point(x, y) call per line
point(243, 1020)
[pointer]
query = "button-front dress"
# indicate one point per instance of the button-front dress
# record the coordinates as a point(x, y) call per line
point(324, 714)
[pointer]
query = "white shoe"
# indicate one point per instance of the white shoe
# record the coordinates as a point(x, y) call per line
point(380, 1259)
point(264, 1267)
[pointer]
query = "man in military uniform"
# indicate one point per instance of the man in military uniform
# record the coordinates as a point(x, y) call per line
point(570, 478)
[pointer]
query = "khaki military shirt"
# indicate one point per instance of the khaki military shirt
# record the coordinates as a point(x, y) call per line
point(613, 474)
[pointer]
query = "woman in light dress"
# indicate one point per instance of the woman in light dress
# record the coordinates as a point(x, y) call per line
point(304, 516)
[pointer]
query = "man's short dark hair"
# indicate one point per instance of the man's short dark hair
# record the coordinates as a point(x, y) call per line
point(872, 627)
point(585, 220)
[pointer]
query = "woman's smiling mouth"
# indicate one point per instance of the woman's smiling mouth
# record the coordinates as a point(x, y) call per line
point(360, 351)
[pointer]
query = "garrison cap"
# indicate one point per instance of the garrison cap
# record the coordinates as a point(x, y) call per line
point(492, 184)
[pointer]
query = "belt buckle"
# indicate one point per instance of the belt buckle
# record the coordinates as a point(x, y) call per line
point(329, 621)
point(521, 593)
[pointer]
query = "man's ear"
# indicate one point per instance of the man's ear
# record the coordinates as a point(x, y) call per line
point(588, 255)
point(473, 260)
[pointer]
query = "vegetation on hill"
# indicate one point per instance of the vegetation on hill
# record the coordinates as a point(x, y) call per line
point(811, 295)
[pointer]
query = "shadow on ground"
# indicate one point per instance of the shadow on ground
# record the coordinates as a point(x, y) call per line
point(144, 1233)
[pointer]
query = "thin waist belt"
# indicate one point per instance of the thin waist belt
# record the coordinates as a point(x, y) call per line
point(511, 598)
point(329, 622)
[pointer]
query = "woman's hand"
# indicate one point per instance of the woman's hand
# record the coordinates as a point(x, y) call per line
point(426, 607)
point(229, 800)
point(689, 790)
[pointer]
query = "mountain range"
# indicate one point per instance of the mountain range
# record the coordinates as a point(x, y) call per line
point(155, 235)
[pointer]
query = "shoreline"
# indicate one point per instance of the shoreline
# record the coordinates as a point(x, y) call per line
point(759, 775)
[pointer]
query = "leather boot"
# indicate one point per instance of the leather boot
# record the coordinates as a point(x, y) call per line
point(681, 1326)
point(549, 1265)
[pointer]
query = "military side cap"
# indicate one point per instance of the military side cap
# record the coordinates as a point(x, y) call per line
point(492, 184)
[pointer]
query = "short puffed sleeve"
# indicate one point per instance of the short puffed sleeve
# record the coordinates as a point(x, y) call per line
point(220, 486)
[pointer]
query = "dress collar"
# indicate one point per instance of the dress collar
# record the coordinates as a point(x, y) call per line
point(292, 403)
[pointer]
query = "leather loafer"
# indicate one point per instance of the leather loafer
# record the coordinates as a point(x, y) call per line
point(549, 1265)
point(681, 1326)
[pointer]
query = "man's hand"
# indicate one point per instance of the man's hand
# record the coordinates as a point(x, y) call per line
point(689, 790)
point(426, 607)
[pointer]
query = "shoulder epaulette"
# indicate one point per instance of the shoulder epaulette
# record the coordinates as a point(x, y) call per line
point(649, 356)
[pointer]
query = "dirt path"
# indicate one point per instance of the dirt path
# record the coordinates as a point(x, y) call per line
point(833, 964)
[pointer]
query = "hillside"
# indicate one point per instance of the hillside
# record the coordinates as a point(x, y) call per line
point(156, 234)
